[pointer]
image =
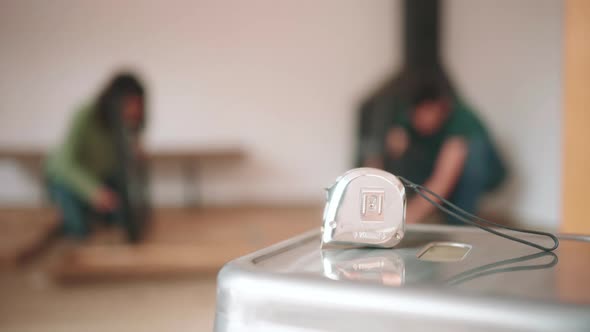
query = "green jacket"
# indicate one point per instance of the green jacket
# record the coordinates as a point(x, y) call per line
point(424, 150)
point(86, 157)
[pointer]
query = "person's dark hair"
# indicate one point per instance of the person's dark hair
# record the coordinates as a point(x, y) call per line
point(429, 91)
point(110, 99)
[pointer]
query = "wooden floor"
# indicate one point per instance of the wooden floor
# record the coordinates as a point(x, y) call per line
point(23, 232)
point(166, 283)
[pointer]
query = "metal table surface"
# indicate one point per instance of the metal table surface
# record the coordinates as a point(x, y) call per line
point(499, 285)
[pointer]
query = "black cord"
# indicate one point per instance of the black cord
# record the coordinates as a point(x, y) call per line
point(492, 268)
point(466, 217)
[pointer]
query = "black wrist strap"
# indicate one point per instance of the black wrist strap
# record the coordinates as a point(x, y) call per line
point(468, 218)
point(505, 266)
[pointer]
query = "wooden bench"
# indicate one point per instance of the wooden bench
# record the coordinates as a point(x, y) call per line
point(189, 159)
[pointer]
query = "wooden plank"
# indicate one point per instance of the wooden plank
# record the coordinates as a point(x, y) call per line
point(191, 155)
point(147, 260)
point(31, 155)
point(185, 242)
point(572, 272)
point(576, 118)
point(24, 155)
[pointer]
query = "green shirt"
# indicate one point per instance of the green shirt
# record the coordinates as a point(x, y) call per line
point(423, 150)
point(86, 157)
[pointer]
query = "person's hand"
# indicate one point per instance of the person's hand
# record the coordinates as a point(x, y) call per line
point(397, 142)
point(374, 162)
point(105, 200)
point(139, 152)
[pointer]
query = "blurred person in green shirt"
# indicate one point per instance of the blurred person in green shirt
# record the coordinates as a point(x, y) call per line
point(436, 140)
point(82, 171)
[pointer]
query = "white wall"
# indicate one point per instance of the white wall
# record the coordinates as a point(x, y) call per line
point(505, 57)
point(282, 78)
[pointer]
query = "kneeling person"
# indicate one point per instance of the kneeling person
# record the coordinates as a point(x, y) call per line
point(82, 171)
point(440, 143)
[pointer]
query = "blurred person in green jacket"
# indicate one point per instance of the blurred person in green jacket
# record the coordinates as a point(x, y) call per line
point(82, 172)
point(435, 139)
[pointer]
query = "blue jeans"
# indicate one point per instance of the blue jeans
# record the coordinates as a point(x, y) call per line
point(77, 213)
point(483, 171)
